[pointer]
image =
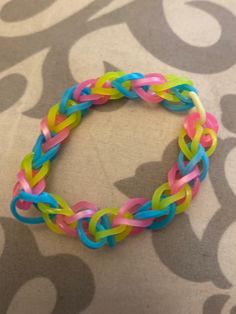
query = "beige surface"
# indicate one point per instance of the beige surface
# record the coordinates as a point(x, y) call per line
point(121, 150)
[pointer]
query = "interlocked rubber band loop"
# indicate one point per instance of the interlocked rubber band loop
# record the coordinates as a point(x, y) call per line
point(95, 226)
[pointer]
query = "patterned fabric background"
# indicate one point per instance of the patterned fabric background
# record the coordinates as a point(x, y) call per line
point(121, 150)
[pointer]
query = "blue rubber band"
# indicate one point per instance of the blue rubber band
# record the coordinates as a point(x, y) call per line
point(111, 240)
point(146, 212)
point(68, 95)
point(26, 220)
point(84, 238)
point(117, 84)
point(39, 159)
point(178, 89)
point(200, 156)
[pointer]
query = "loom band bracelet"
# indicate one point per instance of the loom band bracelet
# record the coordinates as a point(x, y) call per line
point(102, 85)
point(34, 176)
point(50, 151)
point(167, 95)
point(183, 204)
point(105, 222)
point(46, 154)
point(43, 197)
point(83, 107)
point(83, 93)
point(191, 178)
point(176, 107)
point(103, 225)
point(120, 232)
point(82, 90)
point(185, 103)
point(210, 145)
point(131, 222)
point(69, 230)
point(211, 123)
point(57, 122)
point(197, 139)
point(182, 90)
point(148, 80)
point(23, 219)
point(189, 150)
point(199, 107)
point(35, 199)
point(82, 209)
point(39, 158)
point(55, 139)
point(146, 212)
point(106, 81)
point(200, 132)
point(49, 212)
point(44, 208)
point(142, 89)
point(200, 156)
point(97, 100)
point(213, 145)
point(23, 184)
point(163, 222)
point(85, 239)
point(52, 138)
point(131, 206)
point(49, 221)
point(110, 92)
point(59, 206)
point(23, 205)
point(85, 104)
point(68, 95)
point(44, 128)
point(157, 225)
point(118, 84)
point(171, 95)
point(60, 220)
point(172, 81)
point(149, 95)
point(162, 197)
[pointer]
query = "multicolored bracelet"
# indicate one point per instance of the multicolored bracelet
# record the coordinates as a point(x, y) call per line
point(94, 226)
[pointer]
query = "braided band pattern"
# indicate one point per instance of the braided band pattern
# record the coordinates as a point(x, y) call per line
point(95, 226)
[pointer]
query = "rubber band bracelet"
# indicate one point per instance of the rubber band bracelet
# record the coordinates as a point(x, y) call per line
point(95, 226)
